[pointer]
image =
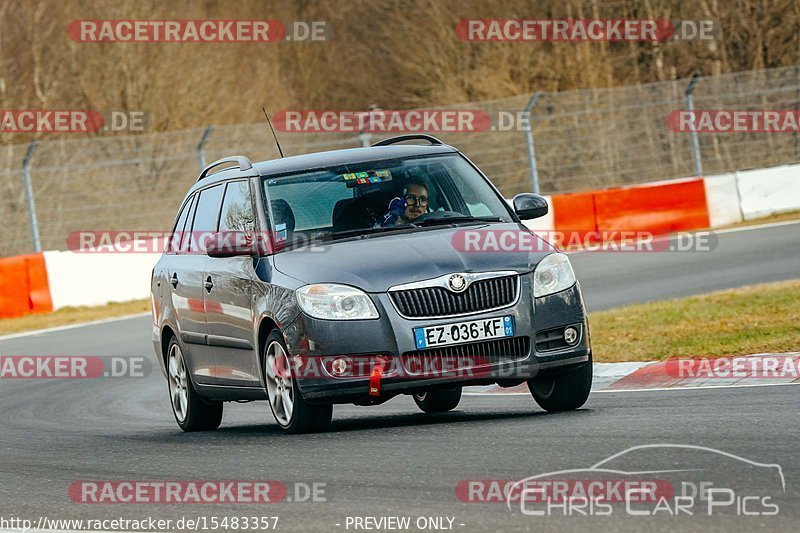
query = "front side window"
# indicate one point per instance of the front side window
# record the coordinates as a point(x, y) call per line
point(237, 208)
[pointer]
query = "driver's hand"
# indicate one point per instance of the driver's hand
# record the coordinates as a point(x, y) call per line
point(397, 207)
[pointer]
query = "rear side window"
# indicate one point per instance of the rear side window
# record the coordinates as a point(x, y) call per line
point(180, 224)
point(186, 237)
point(237, 208)
point(205, 217)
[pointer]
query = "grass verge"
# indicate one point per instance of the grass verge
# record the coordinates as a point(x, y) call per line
point(71, 315)
point(746, 320)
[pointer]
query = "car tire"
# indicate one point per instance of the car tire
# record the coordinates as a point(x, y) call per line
point(563, 392)
point(192, 412)
point(292, 413)
point(438, 400)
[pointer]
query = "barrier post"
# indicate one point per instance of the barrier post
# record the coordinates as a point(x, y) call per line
point(529, 142)
point(698, 164)
point(26, 176)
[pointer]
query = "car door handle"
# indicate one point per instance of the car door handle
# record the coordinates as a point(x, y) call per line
point(174, 280)
point(208, 284)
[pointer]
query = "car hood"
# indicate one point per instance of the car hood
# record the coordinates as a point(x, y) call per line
point(381, 261)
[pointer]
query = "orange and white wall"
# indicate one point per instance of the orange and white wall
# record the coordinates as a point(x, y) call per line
point(676, 205)
point(56, 279)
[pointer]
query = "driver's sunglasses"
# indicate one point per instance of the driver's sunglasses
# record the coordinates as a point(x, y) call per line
point(419, 200)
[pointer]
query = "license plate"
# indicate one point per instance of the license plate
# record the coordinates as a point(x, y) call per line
point(461, 332)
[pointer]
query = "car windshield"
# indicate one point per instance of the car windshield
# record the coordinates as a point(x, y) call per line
point(380, 196)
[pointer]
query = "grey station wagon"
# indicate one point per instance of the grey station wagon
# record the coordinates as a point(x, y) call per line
point(353, 276)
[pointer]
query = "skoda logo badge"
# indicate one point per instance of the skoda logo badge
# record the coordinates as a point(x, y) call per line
point(457, 283)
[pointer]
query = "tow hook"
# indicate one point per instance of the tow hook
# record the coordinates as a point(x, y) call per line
point(376, 375)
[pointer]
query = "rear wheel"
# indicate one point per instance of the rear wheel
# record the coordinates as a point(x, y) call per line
point(291, 411)
point(563, 392)
point(192, 412)
point(438, 400)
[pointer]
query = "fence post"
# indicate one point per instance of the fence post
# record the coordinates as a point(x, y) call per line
point(364, 138)
point(529, 139)
point(201, 154)
point(698, 163)
point(26, 176)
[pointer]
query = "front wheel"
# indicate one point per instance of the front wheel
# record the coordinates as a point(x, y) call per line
point(563, 392)
point(192, 412)
point(438, 400)
point(290, 410)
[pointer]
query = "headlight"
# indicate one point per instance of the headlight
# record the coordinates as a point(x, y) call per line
point(335, 302)
point(553, 274)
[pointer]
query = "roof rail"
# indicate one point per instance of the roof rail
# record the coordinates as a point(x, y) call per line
point(242, 162)
point(413, 136)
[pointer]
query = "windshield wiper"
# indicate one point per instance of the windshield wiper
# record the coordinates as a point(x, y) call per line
point(369, 231)
point(449, 220)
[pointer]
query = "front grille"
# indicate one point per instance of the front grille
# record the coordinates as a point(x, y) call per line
point(482, 353)
point(481, 295)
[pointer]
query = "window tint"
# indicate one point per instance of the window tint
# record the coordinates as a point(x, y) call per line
point(177, 230)
point(237, 210)
point(205, 217)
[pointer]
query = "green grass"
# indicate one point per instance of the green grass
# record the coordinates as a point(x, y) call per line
point(747, 320)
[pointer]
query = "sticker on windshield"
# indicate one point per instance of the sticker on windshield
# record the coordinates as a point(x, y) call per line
point(369, 177)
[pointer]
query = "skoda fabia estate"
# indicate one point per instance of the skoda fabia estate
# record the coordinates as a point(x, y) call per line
point(353, 276)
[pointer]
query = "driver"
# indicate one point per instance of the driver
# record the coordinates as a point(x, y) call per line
point(413, 204)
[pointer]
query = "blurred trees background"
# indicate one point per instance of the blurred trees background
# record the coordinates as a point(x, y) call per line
point(393, 53)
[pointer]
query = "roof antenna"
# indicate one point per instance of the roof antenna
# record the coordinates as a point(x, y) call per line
point(273, 131)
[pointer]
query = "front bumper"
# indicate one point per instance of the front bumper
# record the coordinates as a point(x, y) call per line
point(391, 337)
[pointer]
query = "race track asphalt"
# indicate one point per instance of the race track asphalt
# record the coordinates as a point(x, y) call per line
point(392, 460)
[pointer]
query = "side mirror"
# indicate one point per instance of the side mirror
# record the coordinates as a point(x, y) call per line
point(231, 244)
point(528, 206)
